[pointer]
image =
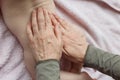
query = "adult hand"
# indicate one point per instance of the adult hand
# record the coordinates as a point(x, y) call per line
point(44, 40)
point(74, 42)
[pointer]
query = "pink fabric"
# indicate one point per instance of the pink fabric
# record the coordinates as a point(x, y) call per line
point(99, 19)
point(11, 56)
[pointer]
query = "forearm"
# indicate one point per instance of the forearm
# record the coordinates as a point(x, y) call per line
point(48, 70)
point(103, 61)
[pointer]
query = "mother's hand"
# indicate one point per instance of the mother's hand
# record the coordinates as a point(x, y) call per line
point(74, 41)
point(44, 40)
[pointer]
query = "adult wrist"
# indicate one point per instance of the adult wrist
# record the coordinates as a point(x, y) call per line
point(90, 56)
point(48, 60)
point(84, 53)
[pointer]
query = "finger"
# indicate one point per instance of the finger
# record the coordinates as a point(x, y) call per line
point(47, 18)
point(29, 32)
point(41, 19)
point(62, 30)
point(58, 33)
point(48, 24)
point(54, 21)
point(34, 23)
point(62, 22)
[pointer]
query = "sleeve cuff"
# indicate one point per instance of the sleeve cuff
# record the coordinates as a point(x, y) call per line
point(48, 70)
point(91, 56)
point(47, 61)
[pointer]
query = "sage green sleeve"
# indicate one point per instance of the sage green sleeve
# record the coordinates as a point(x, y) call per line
point(48, 70)
point(103, 61)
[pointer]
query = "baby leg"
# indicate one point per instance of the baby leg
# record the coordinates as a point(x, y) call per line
point(16, 14)
point(73, 76)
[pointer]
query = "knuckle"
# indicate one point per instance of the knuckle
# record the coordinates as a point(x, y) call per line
point(35, 32)
point(32, 41)
point(41, 38)
point(48, 21)
point(39, 20)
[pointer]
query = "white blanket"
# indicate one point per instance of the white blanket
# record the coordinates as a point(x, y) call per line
point(100, 20)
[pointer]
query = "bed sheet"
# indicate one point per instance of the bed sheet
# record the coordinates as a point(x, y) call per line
point(99, 19)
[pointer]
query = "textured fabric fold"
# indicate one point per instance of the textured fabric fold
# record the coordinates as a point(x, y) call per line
point(98, 20)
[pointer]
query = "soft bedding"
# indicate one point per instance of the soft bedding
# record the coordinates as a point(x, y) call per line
point(99, 19)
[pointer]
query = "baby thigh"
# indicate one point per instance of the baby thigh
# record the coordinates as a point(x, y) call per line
point(16, 14)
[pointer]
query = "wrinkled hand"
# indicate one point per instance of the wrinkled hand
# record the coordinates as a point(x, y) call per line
point(44, 40)
point(74, 42)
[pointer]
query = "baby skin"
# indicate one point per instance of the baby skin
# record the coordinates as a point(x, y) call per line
point(16, 14)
